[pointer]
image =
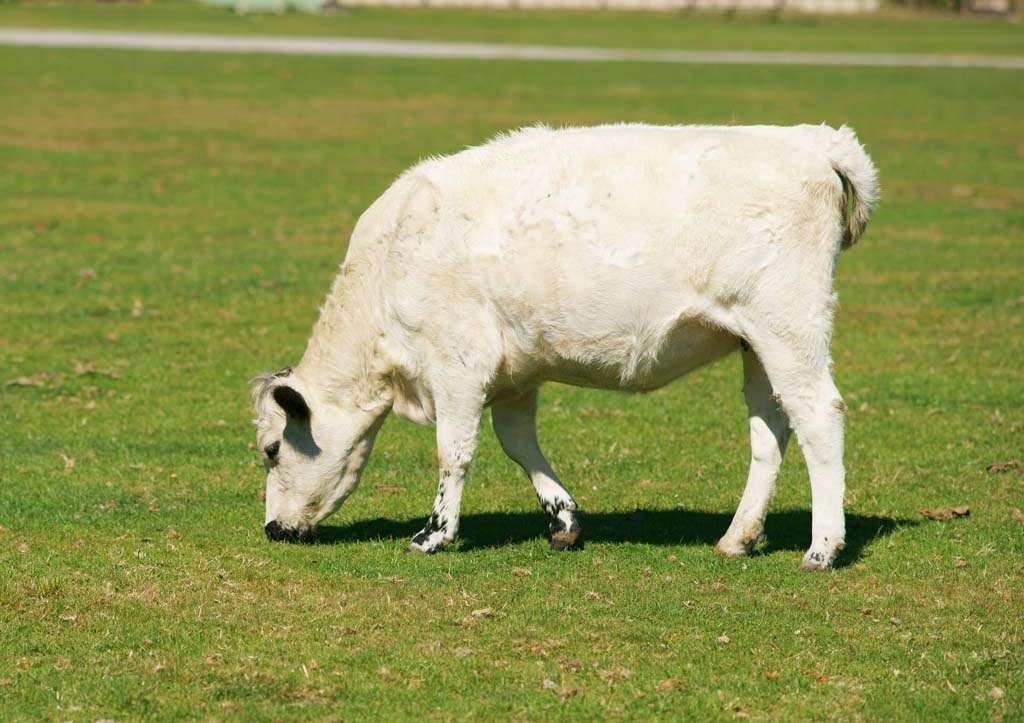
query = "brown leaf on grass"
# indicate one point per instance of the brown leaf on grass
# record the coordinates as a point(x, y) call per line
point(724, 639)
point(172, 533)
point(83, 276)
point(1013, 464)
point(771, 674)
point(548, 684)
point(996, 693)
point(89, 367)
point(821, 678)
point(568, 692)
point(521, 572)
point(6, 681)
point(614, 676)
point(718, 586)
point(69, 462)
point(482, 613)
point(592, 595)
point(946, 513)
point(25, 382)
point(667, 684)
point(462, 652)
point(570, 664)
point(385, 674)
point(390, 489)
point(1018, 516)
point(395, 579)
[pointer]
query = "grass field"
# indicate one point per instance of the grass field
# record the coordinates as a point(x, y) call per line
point(169, 225)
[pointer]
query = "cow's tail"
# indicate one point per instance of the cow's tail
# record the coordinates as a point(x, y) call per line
point(860, 183)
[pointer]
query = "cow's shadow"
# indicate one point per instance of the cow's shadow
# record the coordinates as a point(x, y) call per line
point(786, 529)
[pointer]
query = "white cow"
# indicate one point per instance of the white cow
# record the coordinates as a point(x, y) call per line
point(617, 257)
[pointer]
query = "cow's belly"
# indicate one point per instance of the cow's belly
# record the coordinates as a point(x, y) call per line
point(626, 363)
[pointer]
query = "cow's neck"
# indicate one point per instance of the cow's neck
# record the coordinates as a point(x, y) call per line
point(339, 358)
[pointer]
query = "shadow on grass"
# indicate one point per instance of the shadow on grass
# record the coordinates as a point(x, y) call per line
point(787, 529)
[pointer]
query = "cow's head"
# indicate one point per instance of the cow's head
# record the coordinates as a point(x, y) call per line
point(314, 451)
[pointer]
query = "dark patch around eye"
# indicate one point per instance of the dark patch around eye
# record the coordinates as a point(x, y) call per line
point(273, 449)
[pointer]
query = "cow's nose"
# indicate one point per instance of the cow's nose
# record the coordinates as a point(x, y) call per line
point(277, 533)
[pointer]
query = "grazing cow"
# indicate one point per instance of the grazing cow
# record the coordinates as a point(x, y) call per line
point(616, 257)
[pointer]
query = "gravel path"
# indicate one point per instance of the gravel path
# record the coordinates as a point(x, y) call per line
point(189, 42)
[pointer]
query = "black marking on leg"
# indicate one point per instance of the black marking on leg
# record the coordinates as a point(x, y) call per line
point(744, 345)
point(435, 523)
point(816, 557)
point(553, 507)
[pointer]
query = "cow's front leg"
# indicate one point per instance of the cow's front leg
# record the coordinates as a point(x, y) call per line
point(457, 427)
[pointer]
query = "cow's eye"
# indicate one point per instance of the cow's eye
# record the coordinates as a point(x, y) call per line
point(272, 450)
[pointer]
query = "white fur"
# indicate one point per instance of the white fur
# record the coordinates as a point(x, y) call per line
point(618, 257)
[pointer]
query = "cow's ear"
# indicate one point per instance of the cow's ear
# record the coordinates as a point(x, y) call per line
point(292, 402)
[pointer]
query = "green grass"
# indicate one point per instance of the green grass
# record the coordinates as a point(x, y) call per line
point(889, 32)
point(169, 224)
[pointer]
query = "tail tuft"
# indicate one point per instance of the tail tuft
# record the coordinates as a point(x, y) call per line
point(860, 182)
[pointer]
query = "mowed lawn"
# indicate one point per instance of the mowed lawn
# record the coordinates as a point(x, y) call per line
point(169, 225)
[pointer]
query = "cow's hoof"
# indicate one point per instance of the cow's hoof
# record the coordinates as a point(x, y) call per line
point(816, 562)
point(736, 548)
point(428, 543)
point(565, 531)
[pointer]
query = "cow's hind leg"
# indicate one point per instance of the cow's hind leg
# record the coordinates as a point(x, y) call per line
point(769, 433)
point(800, 376)
point(515, 423)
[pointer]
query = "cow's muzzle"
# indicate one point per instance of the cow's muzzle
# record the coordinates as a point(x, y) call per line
point(278, 533)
